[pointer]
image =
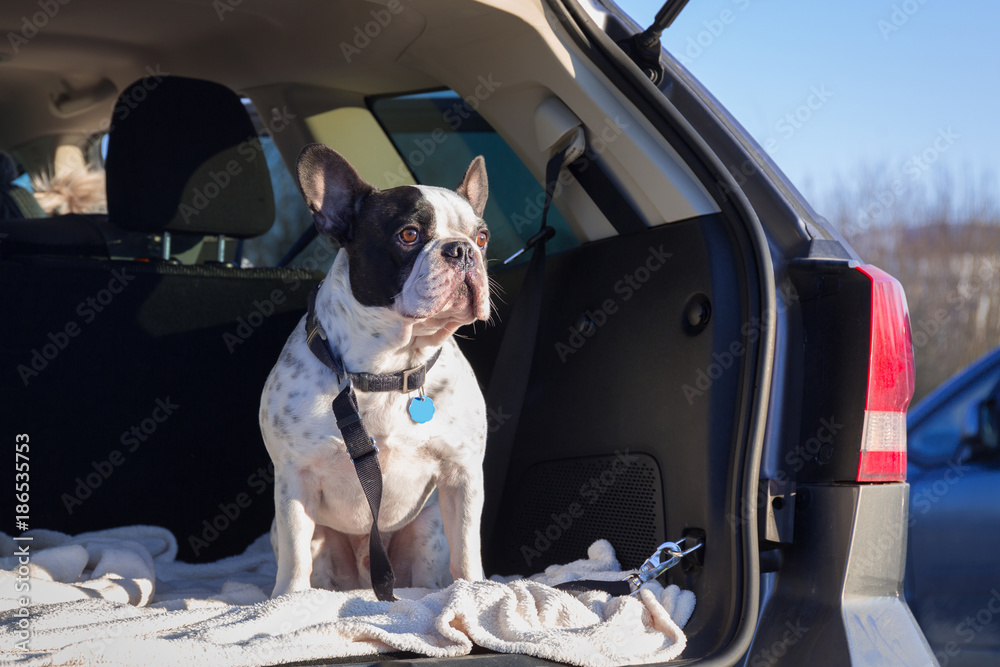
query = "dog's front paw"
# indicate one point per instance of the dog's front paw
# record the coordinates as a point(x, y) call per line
point(467, 571)
point(290, 586)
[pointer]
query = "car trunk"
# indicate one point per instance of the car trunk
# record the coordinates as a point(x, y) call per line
point(631, 429)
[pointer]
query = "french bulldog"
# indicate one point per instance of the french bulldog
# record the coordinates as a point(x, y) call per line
point(410, 270)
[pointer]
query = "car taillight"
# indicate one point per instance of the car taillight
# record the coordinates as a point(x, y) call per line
point(891, 379)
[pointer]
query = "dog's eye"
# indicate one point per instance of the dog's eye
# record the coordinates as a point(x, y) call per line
point(409, 235)
point(482, 238)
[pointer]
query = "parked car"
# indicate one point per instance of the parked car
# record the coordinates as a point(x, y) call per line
point(712, 360)
point(955, 499)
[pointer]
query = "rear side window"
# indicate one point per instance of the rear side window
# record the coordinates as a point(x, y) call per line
point(291, 215)
point(438, 134)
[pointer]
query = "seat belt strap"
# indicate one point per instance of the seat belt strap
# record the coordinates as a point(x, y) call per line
point(512, 368)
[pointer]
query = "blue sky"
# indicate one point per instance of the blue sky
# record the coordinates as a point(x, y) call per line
point(869, 84)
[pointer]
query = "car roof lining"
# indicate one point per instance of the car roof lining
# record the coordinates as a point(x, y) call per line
point(297, 53)
point(256, 44)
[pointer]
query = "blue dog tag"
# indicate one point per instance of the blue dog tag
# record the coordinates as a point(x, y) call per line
point(421, 409)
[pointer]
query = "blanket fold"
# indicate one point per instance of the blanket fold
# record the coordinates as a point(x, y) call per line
point(119, 597)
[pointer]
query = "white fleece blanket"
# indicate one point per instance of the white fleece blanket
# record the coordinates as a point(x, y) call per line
point(120, 597)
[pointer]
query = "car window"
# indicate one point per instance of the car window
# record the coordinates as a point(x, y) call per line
point(291, 215)
point(937, 436)
point(438, 134)
point(63, 173)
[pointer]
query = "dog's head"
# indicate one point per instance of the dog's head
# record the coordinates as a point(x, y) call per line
point(418, 250)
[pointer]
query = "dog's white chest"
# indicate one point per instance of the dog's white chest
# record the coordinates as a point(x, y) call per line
point(409, 469)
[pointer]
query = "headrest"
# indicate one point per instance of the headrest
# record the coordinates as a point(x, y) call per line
point(183, 156)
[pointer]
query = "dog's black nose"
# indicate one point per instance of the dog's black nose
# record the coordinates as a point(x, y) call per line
point(459, 252)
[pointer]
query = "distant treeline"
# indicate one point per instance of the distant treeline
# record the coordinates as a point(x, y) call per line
point(941, 240)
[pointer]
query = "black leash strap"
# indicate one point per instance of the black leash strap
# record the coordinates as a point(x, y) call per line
point(512, 368)
point(583, 585)
point(364, 454)
point(360, 446)
point(665, 557)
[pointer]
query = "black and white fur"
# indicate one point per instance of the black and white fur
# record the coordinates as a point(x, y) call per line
point(386, 305)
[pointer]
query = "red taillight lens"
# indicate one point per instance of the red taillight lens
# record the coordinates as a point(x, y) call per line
point(891, 379)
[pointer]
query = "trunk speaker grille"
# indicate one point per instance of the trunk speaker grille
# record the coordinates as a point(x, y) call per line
point(562, 507)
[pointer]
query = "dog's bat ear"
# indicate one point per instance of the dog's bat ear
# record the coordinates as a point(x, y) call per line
point(332, 189)
point(474, 187)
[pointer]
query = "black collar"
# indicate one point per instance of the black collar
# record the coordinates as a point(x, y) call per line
point(406, 381)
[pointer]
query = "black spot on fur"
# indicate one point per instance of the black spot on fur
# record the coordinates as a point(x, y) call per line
point(279, 426)
point(288, 412)
point(295, 366)
point(380, 263)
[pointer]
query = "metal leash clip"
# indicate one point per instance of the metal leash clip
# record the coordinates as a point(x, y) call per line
point(665, 557)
